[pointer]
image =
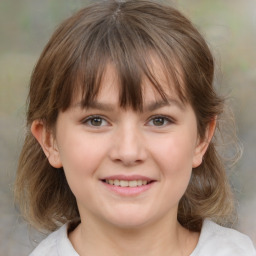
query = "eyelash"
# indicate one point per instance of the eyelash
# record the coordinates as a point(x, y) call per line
point(93, 117)
point(167, 121)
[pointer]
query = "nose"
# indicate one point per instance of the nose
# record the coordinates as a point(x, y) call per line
point(128, 146)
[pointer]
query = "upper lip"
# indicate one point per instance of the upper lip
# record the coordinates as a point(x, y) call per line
point(127, 177)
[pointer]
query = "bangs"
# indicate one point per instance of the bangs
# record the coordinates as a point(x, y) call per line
point(136, 55)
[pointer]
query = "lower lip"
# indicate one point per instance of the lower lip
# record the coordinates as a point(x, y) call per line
point(128, 191)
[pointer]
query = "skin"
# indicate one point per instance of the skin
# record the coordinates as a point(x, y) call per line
point(160, 143)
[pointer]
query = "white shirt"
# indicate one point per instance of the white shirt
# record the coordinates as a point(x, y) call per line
point(214, 240)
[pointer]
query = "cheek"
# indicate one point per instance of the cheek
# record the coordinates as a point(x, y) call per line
point(177, 164)
point(174, 152)
point(176, 171)
point(80, 155)
point(174, 156)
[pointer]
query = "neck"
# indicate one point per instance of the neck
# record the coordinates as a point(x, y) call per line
point(166, 238)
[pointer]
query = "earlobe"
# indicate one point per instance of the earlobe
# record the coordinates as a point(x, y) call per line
point(204, 143)
point(46, 140)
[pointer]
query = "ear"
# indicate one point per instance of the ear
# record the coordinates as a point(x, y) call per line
point(204, 143)
point(47, 142)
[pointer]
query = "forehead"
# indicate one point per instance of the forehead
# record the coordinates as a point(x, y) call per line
point(155, 85)
point(110, 84)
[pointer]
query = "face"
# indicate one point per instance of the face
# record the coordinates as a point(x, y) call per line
point(127, 168)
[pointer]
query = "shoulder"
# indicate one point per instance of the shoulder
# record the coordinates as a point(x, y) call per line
point(216, 240)
point(56, 244)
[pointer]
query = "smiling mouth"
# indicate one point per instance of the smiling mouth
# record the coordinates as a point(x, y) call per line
point(126, 183)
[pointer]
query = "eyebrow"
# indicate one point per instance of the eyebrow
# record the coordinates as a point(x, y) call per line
point(163, 103)
point(148, 108)
point(96, 105)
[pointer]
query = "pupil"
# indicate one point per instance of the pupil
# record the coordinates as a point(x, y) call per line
point(158, 121)
point(96, 121)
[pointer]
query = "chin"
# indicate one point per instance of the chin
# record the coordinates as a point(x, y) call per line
point(129, 219)
point(129, 224)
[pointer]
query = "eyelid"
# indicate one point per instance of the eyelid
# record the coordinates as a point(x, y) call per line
point(170, 120)
point(91, 117)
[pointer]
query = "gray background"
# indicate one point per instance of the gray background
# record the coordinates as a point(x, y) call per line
point(25, 27)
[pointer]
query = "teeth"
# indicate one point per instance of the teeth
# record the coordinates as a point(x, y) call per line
point(116, 182)
point(139, 182)
point(126, 183)
point(133, 183)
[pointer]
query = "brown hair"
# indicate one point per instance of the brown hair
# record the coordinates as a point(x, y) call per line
point(123, 33)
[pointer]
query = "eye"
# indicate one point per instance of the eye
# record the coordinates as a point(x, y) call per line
point(95, 121)
point(159, 121)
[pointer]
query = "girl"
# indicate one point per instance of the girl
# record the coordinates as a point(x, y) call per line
point(119, 151)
